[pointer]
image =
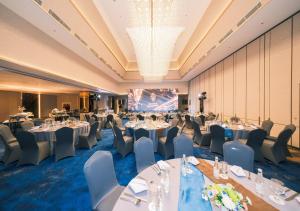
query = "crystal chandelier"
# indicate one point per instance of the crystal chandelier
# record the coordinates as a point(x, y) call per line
point(154, 37)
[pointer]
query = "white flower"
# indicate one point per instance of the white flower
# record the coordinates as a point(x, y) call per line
point(228, 203)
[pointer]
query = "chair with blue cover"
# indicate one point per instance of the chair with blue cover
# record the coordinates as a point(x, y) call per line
point(64, 144)
point(275, 151)
point(12, 149)
point(102, 182)
point(141, 132)
point(27, 125)
point(166, 145)
point(32, 151)
point(154, 117)
point(124, 143)
point(202, 118)
point(140, 117)
point(293, 129)
point(188, 122)
point(217, 139)
point(183, 145)
point(239, 154)
point(267, 125)
point(89, 140)
point(255, 141)
point(180, 120)
point(199, 138)
point(144, 153)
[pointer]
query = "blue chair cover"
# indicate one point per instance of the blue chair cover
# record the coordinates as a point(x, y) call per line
point(144, 153)
point(183, 145)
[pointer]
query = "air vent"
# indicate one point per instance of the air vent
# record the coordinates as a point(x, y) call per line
point(94, 52)
point(80, 39)
point(39, 2)
point(241, 22)
point(59, 19)
point(226, 35)
point(253, 10)
point(212, 48)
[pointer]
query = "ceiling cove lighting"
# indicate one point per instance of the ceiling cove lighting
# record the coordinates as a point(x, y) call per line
point(154, 36)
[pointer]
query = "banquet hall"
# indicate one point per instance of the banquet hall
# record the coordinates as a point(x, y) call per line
point(158, 105)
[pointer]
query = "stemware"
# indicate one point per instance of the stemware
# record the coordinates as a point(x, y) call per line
point(277, 189)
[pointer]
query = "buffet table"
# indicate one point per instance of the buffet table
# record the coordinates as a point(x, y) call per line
point(171, 200)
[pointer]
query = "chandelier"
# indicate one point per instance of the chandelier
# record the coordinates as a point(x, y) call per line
point(154, 37)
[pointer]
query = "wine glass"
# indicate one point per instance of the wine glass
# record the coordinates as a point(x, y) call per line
point(277, 188)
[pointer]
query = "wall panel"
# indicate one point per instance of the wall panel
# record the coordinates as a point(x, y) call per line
point(280, 75)
point(240, 83)
point(253, 73)
point(219, 89)
point(228, 87)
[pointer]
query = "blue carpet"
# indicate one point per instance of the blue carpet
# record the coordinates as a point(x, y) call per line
point(62, 186)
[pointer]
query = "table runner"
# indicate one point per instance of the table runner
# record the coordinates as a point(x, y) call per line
point(190, 193)
point(257, 202)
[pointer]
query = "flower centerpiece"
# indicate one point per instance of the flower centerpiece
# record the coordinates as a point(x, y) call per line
point(226, 196)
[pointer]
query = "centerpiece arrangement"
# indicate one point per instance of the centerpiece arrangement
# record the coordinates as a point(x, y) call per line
point(226, 197)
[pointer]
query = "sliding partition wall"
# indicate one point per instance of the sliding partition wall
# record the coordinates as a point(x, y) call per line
point(259, 81)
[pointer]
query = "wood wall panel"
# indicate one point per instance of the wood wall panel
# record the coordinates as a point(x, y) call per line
point(259, 81)
point(253, 88)
point(228, 87)
point(280, 74)
point(240, 83)
point(296, 78)
point(9, 104)
point(219, 89)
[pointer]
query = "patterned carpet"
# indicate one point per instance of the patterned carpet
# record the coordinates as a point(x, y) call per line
point(62, 186)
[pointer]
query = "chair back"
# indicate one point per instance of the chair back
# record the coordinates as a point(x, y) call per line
point(95, 117)
point(140, 117)
point(110, 118)
point(217, 138)
point(283, 138)
point(38, 122)
point(153, 117)
point(141, 132)
point(172, 133)
point(93, 129)
point(256, 138)
point(292, 127)
point(119, 136)
point(6, 134)
point(27, 125)
point(64, 136)
point(27, 141)
point(197, 131)
point(144, 153)
point(239, 154)
point(267, 125)
point(183, 145)
point(180, 119)
point(174, 122)
point(87, 117)
point(188, 122)
point(92, 120)
point(100, 175)
point(202, 117)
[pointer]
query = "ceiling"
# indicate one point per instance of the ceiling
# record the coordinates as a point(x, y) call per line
point(11, 81)
point(119, 15)
point(95, 31)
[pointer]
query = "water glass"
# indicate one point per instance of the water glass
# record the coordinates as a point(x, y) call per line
point(155, 198)
point(165, 180)
point(224, 169)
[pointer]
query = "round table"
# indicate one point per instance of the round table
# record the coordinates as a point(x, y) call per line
point(48, 133)
point(235, 131)
point(152, 126)
point(171, 200)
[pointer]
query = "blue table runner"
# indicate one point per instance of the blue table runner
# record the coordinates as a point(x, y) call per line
point(190, 193)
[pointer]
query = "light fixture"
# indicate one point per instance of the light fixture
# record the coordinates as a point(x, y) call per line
point(154, 38)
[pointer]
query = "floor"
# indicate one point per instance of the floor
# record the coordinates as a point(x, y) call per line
point(62, 186)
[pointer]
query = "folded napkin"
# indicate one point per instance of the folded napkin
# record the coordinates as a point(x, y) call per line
point(163, 165)
point(138, 185)
point(238, 171)
point(241, 127)
point(193, 160)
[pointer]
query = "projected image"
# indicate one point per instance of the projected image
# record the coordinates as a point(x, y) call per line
point(152, 100)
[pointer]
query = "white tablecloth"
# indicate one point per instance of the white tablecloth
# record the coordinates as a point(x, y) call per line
point(48, 134)
point(171, 200)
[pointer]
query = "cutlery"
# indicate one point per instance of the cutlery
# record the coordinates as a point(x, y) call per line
point(249, 175)
point(135, 201)
point(156, 170)
point(292, 197)
point(133, 196)
point(284, 192)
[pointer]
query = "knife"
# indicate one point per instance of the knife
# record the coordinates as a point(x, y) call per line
point(292, 197)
